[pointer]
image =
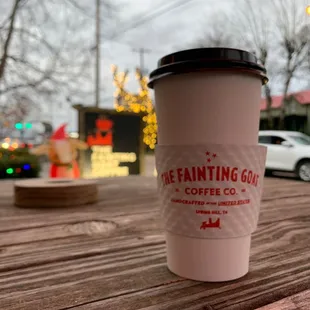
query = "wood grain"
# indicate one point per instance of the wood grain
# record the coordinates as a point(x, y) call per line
point(111, 255)
point(299, 301)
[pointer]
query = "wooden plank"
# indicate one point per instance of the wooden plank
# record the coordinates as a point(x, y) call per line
point(299, 301)
point(115, 273)
point(164, 299)
point(43, 218)
point(145, 222)
point(146, 201)
point(72, 251)
point(286, 233)
point(112, 201)
point(132, 281)
point(61, 259)
point(105, 226)
point(103, 223)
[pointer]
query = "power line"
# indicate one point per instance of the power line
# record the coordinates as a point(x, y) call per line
point(146, 19)
point(163, 9)
point(134, 46)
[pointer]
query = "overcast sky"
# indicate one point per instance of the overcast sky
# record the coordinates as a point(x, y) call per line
point(167, 32)
point(166, 28)
point(174, 30)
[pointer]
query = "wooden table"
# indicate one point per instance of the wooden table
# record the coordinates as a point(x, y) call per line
point(111, 255)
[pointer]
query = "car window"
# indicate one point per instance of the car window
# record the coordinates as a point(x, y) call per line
point(276, 140)
point(304, 140)
point(270, 140)
point(264, 139)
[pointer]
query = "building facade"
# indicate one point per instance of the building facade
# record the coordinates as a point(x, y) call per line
point(297, 112)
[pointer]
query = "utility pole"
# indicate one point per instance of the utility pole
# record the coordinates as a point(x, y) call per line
point(142, 51)
point(97, 69)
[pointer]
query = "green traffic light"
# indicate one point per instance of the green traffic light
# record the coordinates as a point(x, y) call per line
point(28, 125)
point(19, 126)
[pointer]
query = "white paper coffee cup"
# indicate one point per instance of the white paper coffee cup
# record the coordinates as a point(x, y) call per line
point(208, 105)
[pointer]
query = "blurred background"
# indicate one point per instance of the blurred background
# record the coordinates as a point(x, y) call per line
point(59, 54)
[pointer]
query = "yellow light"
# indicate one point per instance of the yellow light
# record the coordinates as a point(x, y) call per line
point(308, 9)
point(5, 145)
point(136, 103)
point(105, 163)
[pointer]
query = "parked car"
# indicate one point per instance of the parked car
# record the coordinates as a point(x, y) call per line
point(287, 151)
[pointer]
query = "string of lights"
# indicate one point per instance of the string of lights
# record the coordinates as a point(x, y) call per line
point(140, 103)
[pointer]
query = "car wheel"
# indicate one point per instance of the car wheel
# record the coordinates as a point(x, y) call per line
point(303, 171)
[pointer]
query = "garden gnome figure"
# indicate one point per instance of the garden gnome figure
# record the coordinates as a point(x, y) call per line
point(62, 153)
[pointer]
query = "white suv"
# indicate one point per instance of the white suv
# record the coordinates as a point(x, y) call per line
point(287, 151)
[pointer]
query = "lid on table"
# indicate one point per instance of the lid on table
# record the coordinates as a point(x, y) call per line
point(202, 59)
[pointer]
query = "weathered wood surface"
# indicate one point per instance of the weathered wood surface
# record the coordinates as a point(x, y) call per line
point(300, 301)
point(111, 255)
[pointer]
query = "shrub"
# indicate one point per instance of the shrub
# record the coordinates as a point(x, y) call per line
point(18, 163)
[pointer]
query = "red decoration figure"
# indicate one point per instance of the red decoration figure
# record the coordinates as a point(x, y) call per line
point(62, 153)
point(103, 134)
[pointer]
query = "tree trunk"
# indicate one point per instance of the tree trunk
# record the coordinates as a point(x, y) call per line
point(283, 103)
point(268, 107)
point(8, 39)
point(289, 76)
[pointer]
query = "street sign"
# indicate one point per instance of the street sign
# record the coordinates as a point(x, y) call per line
point(114, 140)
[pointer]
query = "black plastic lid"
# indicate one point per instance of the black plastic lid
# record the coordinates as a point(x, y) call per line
point(202, 59)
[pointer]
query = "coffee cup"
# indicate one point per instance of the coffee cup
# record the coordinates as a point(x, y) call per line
point(210, 167)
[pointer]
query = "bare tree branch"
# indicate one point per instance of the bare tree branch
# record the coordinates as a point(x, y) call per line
point(9, 38)
point(293, 43)
point(47, 57)
point(277, 32)
point(80, 8)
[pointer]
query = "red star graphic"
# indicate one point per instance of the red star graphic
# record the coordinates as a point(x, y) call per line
point(214, 155)
point(209, 160)
point(207, 153)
